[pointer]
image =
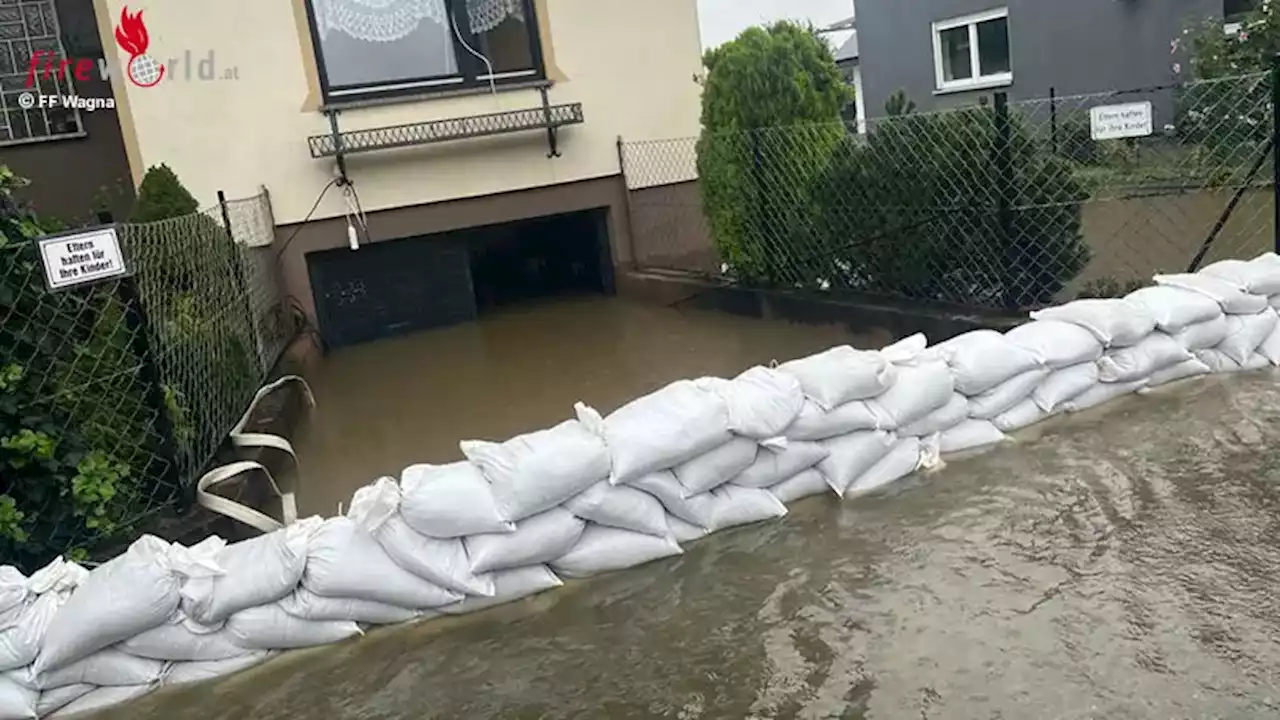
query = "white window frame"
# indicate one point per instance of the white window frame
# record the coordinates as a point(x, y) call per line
point(978, 81)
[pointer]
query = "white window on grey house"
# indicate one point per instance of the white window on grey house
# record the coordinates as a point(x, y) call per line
point(29, 28)
point(972, 52)
point(370, 48)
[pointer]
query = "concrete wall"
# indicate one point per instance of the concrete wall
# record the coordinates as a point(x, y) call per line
point(630, 64)
point(1076, 46)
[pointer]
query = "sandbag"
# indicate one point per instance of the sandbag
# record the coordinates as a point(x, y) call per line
point(103, 697)
point(54, 700)
point(1274, 301)
point(375, 508)
point(510, 585)
point(17, 702)
point(1024, 414)
point(184, 673)
point(1156, 351)
point(449, 501)
point(1175, 308)
point(1007, 394)
point(537, 540)
point(1259, 276)
point(1063, 385)
point(982, 359)
point(944, 418)
point(716, 466)
point(109, 667)
point(1246, 333)
point(14, 592)
point(660, 430)
point(1101, 393)
point(1229, 297)
point(731, 506)
point(344, 561)
point(919, 390)
point(1219, 362)
point(906, 456)
point(852, 455)
point(814, 423)
point(257, 571)
point(1270, 348)
point(761, 402)
point(802, 485)
point(773, 466)
point(620, 506)
point(841, 375)
point(604, 549)
point(968, 435)
point(1203, 335)
point(182, 639)
point(24, 626)
point(269, 627)
point(1056, 343)
point(1115, 322)
point(1183, 370)
point(306, 605)
point(664, 486)
point(537, 471)
point(684, 532)
point(125, 596)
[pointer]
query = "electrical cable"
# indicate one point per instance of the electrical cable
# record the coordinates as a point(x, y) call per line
point(306, 219)
point(493, 83)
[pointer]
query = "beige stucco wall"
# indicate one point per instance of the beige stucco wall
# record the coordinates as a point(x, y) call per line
point(631, 65)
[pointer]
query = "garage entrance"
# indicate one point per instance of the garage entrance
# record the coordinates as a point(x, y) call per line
point(396, 287)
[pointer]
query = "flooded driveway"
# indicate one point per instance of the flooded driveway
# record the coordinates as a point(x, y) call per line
point(1116, 564)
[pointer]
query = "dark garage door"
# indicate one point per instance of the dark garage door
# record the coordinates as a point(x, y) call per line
point(391, 288)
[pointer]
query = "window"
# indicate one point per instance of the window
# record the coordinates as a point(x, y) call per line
point(28, 27)
point(372, 48)
point(972, 51)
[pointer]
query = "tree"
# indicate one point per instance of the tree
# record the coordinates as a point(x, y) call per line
point(161, 196)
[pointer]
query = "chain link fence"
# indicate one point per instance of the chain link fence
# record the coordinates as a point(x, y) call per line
point(1001, 205)
point(124, 389)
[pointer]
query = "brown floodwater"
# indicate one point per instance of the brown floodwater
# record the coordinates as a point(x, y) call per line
point(1116, 564)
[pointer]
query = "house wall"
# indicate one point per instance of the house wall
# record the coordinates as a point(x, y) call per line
point(235, 135)
point(1075, 46)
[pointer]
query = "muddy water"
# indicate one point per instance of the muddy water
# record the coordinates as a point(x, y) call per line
point(1117, 564)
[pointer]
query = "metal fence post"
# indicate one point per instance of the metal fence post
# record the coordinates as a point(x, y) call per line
point(1053, 119)
point(1275, 150)
point(1002, 161)
point(633, 258)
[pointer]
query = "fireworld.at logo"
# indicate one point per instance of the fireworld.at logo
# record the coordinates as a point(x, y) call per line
point(132, 37)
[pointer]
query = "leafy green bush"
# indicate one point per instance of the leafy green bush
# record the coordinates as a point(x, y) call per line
point(1075, 140)
point(161, 196)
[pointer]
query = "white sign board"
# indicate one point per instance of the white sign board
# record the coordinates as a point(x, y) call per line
point(1111, 122)
point(83, 257)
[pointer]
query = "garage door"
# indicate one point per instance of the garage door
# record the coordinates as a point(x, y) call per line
point(391, 288)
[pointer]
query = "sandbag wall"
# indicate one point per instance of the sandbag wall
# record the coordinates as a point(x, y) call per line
point(601, 493)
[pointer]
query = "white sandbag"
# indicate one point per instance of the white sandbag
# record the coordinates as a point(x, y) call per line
point(906, 456)
point(306, 605)
point(717, 466)
point(919, 390)
point(907, 351)
point(344, 561)
point(852, 455)
point(1232, 299)
point(814, 423)
point(257, 571)
point(510, 585)
point(1056, 343)
point(762, 402)
point(1024, 414)
point(944, 418)
point(17, 702)
point(1115, 322)
point(1246, 333)
point(184, 673)
point(1183, 370)
point(968, 435)
point(182, 639)
point(109, 667)
point(537, 540)
point(1063, 385)
point(125, 596)
point(537, 471)
point(1203, 335)
point(1219, 362)
point(1256, 361)
point(102, 698)
point(1274, 301)
point(1270, 348)
point(269, 627)
point(684, 532)
point(732, 506)
point(660, 430)
point(449, 501)
point(982, 359)
point(664, 486)
point(840, 375)
point(14, 592)
point(54, 700)
point(604, 549)
point(1156, 351)
point(23, 629)
point(1101, 393)
point(1175, 308)
point(1259, 276)
point(802, 485)
point(620, 506)
point(442, 561)
point(773, 466)
point(1007, 394)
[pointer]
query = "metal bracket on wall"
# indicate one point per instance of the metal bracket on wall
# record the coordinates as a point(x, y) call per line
point(339, 154)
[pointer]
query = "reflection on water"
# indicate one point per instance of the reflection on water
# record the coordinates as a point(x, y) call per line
point(1120, 564)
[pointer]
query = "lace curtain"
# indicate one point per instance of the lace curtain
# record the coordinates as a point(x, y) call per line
point(391, 20)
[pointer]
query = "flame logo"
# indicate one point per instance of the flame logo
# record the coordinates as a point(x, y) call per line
point(133, 38)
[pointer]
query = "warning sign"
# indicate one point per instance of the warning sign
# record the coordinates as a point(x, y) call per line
point(82, 257)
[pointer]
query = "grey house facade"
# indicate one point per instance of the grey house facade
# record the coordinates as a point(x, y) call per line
point(945, 53)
